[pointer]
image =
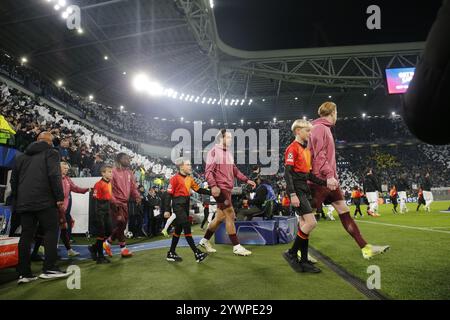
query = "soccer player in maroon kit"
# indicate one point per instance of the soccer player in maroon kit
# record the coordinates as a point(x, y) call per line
point(323, 154)
point(123, 188)
point(220, 173)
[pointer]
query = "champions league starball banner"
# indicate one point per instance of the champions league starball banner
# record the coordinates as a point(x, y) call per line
point(398, 79)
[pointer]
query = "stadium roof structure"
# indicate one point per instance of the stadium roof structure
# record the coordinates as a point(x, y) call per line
point(180, 43)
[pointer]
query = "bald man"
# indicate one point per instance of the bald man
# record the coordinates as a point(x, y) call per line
point(37, 193)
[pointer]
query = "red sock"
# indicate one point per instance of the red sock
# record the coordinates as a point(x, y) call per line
point(208, 234)
point(352, 229)
point(234, 239)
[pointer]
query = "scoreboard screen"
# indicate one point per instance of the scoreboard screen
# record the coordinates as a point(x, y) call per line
point(398, 79)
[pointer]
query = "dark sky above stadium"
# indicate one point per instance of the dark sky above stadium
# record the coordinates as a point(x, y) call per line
point(286, 24)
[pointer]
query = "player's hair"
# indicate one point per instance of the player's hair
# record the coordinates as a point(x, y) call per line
point(300, 123)
point(180, 161)
point(326, 109)
point(105, 167)
point(120, 156)
point(64, 163)
point(221, 134)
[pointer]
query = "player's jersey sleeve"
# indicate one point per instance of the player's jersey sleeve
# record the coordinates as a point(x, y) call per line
point(172, 185)
point(97, 191)
point(290, 155)
point(194, 186)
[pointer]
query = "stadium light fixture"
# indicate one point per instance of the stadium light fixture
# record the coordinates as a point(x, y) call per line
point(141, 82)
point(242, 121)
point(212, 121)
point(191, 98)
point(329, 97)
point(56, 7)
point(91, 97)
point(65, 15)
point(211, 4)
point(59, 83)
point(393, 113)
point(250, 102)
point(242, 101)
point(263, 100)
point(24, 60)
point(121, 108)
point(304, 117)
point(296, 98)
point(105, 57)
point(155, 89)
point(124, 73)
point(80, 31)
point(274, 119)
point(365, 94)
point(363, 115)
point(62, 3)
point(226, 102)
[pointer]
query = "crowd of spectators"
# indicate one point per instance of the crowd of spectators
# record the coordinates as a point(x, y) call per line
point(86, 149)
point(83, 148)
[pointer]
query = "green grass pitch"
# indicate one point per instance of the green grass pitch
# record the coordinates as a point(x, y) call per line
point(416, 267)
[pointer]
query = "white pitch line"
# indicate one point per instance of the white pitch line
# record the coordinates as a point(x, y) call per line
point(406, 227)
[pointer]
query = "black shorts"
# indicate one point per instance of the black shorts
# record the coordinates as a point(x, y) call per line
point(305, 204)
point(102, 218)
point(182, 213)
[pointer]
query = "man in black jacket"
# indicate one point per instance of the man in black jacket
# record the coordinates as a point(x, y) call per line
point(37, 191)
point(371, 189)
point(262, 203)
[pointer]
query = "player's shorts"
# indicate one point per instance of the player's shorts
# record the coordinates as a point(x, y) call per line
point(224, 199)
point(101, 219)
point(402, 195)
point(305, 204)
point(323, 195)
point(372, 197)
point(182, 214)
point(427, 195)
point(119, 212)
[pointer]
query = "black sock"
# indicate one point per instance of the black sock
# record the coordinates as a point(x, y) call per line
point(304, 241)
point(175, 238)
point(173, 246)
point(99, 247)
point(296, 245)
point(191, 243)
point(189, 239)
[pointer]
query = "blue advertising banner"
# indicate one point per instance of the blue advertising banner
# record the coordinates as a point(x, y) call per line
point(261, 232)
point(7, 156)
point(5, 221)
